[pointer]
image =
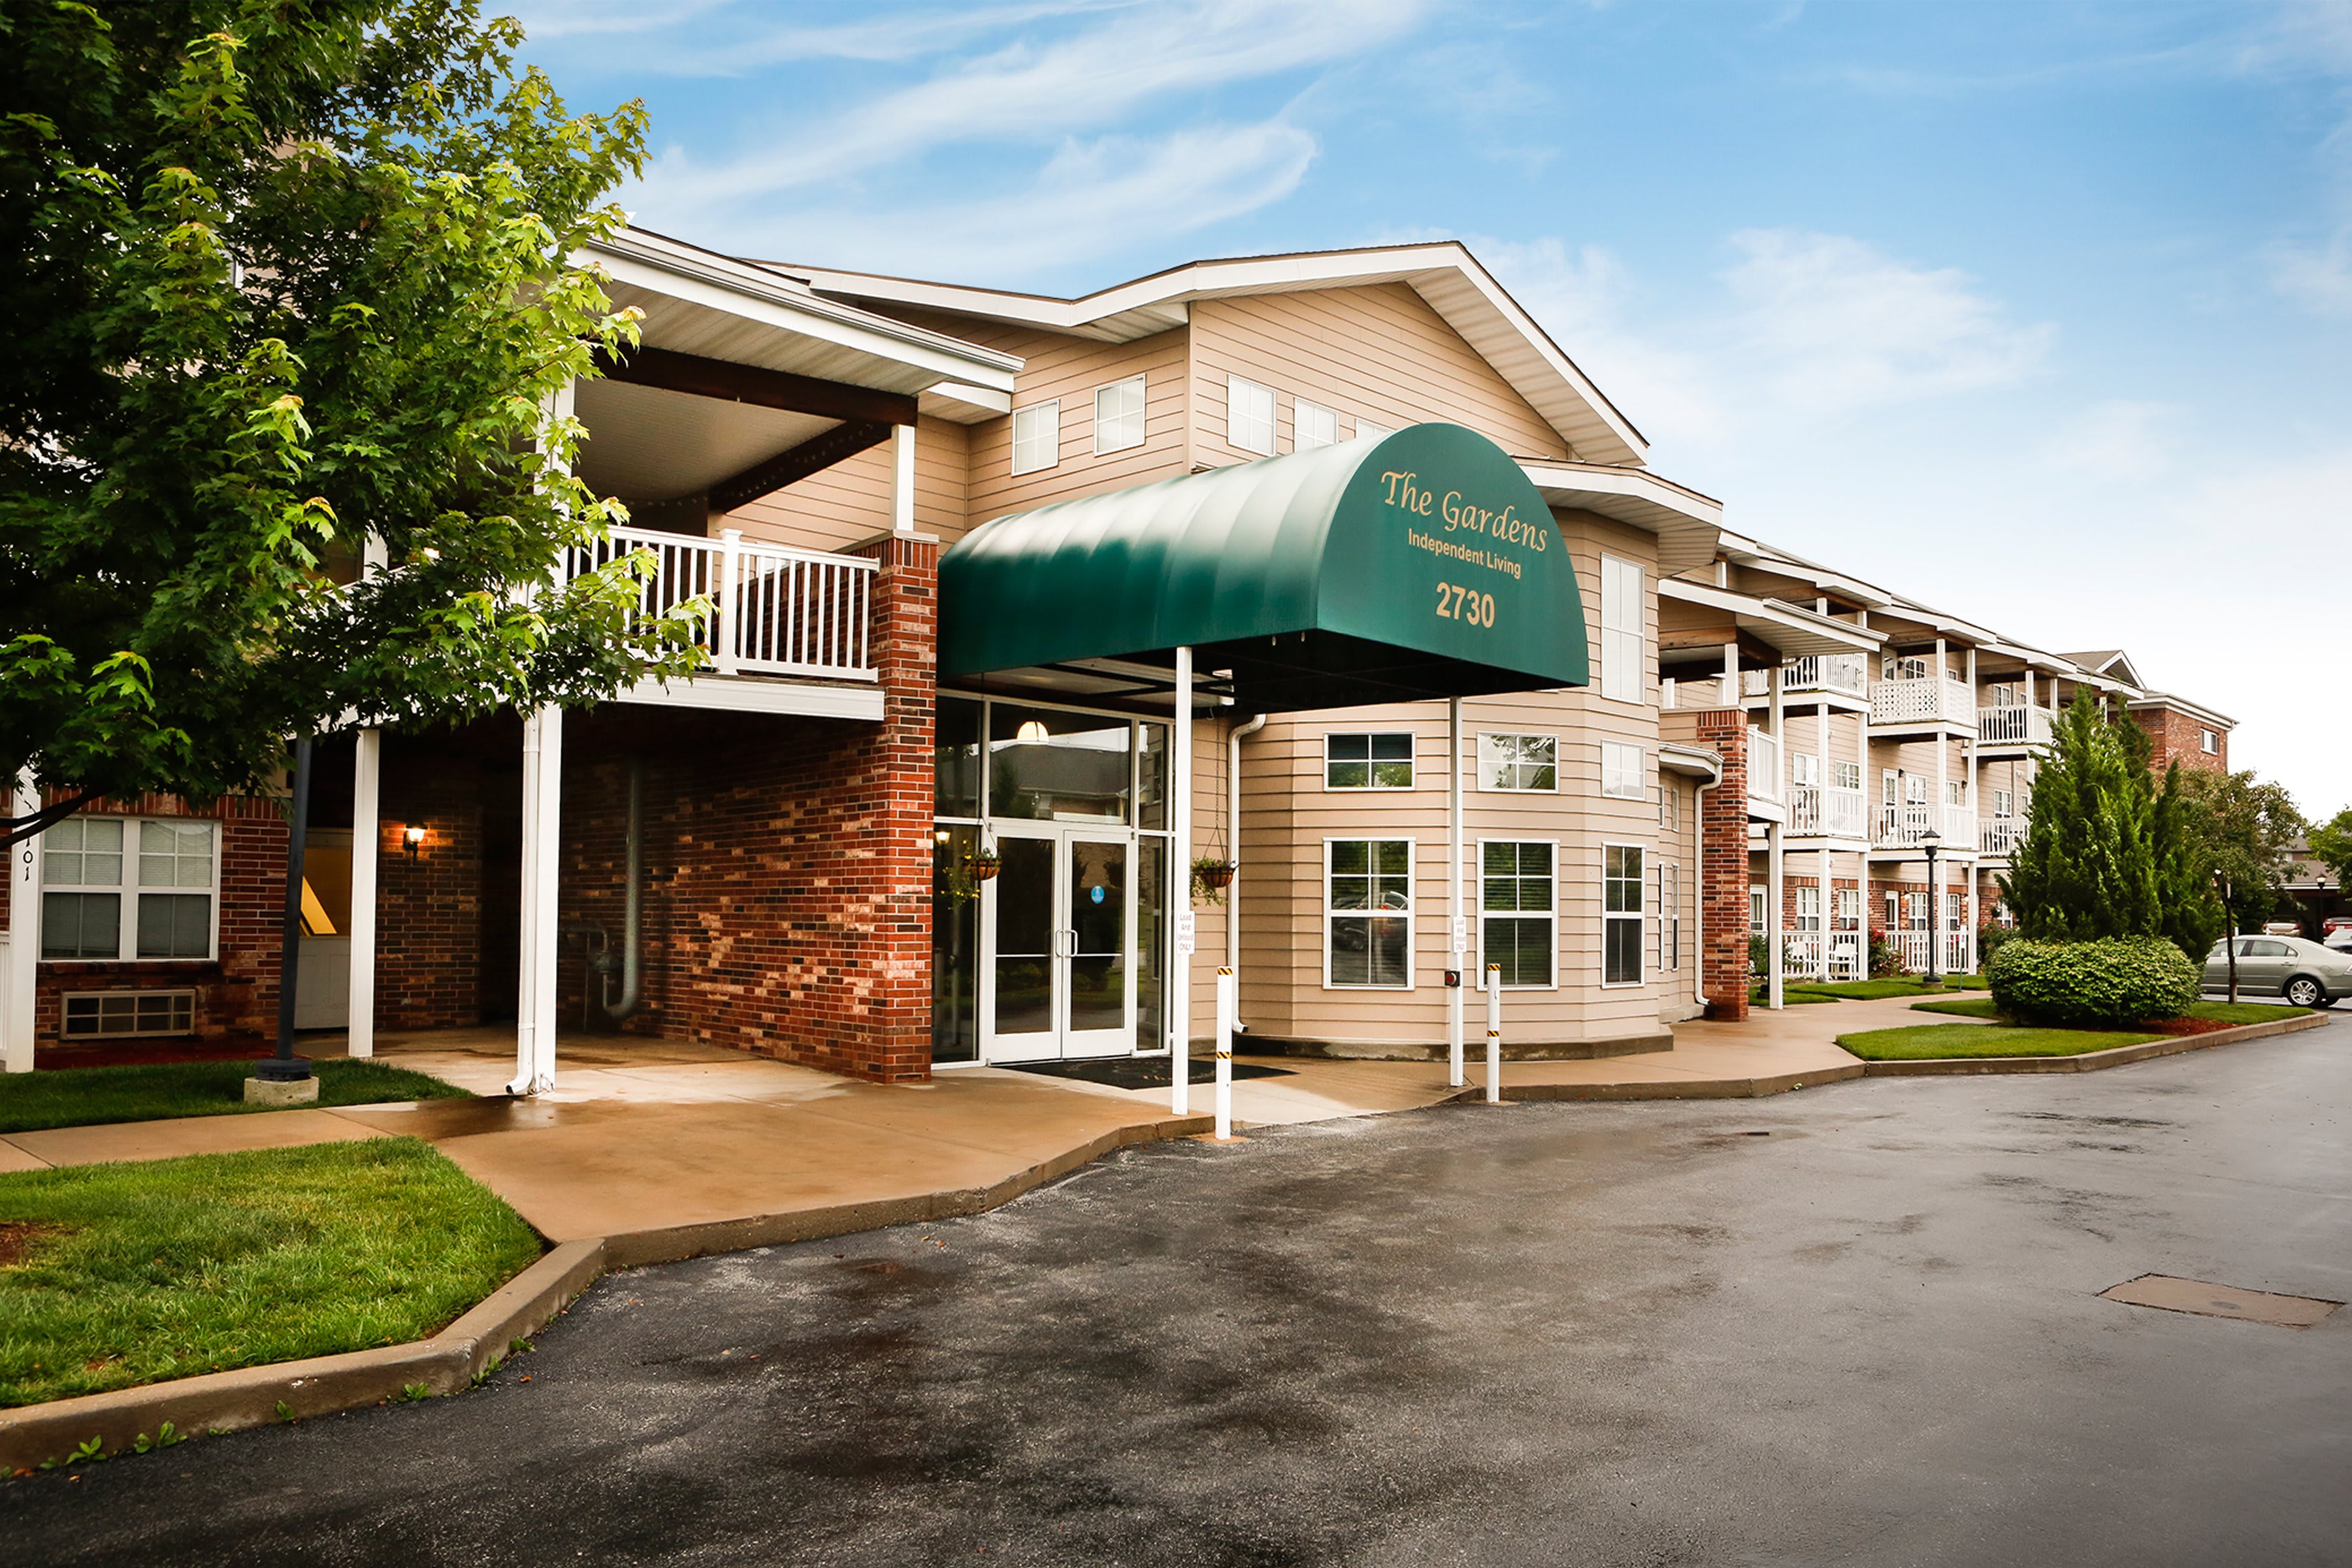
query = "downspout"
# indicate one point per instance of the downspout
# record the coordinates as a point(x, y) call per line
point(1234, 837)
point(631, 995)
point(1698, 904)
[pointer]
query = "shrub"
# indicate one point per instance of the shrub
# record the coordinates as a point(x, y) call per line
point(1990, 940)
point(2117, 980)
point(1760, 957)
point(1885, 958)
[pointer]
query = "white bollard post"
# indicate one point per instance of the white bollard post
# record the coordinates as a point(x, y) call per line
point(1493, 1034)
point(1225, 1008)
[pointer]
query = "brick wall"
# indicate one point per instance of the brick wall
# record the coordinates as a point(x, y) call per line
point(2179, 737)
point(429, 955)
point(1722, 868)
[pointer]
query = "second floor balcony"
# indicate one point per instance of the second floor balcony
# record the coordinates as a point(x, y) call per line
point(2014, 726)
point(2000, 836)
point(1906, 827)
point(1840, 673)
point(1819, 812)
point(1923, 701)
point(775, 609)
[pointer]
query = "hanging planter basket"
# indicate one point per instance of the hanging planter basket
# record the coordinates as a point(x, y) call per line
point(1217, 874)
point(984, 865)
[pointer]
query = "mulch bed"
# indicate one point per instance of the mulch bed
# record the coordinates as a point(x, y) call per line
point(2186, 1025)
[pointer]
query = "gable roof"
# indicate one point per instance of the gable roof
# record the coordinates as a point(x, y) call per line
point(2109, 661)
point(1445, 274)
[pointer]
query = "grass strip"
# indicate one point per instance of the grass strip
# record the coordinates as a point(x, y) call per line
point(2221, 1012)
point(1931, 1042)
point(122, 1274)
point(89, 1097)
point(1874, 990)
point(1791, 995)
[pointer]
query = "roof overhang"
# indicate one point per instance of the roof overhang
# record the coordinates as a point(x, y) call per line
point(1445, 274)
point(1422, 565)
point(1693, 761)
point(1688, 523)
point(2182, 705)
point(1790, 631)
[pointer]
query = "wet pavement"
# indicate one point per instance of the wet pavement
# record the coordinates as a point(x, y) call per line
point(1855, 1325)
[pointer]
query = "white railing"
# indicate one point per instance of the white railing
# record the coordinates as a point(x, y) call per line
point(1695, 694)
point(2001, 835)
point(1921, 701)
point(1957, 957)
point(1830, 813)
point(1841, 672)
point(1901, 825)
point(1764, 772)
point(2014, 726)
point(1959, 827)
point(1822, 955)
point(775, 610)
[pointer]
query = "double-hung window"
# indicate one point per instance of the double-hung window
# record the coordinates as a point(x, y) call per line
point(2005, 804)
point(1368, 762)
point(1670, 808)
point(1848, 774)
point(1517, 910)
point(1670, 917)
point(1368, 912)
point(1036, 436)
point(1621, 674)
point(1520, 763)
point(1368, 431)
point(1118, 415)
point(1621, 771)
point(121, 887)
point(1808, 909)
point(1849, 909)
point(1622, 883)
point(1249, 416)
point(1805, 769)
point(2210, 740)
point(1312, 426)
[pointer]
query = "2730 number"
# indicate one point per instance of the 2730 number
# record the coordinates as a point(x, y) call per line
point(1456, 602)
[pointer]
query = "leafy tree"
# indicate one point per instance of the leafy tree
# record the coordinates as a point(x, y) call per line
point(2331, 846)
point(286, 276)
point(2244, 826)
point(2107, 851)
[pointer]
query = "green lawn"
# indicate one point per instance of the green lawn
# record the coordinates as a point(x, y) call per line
point(1790, 995)
point(1923, 1042)
point(1871, 990)
point(2226, 1011)
point(85, 1097)
point(132, 1273)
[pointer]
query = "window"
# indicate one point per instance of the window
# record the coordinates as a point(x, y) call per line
point(1952, 911)
point(1249, 416)
point(1892, 923)
point(1368, 912)
point(1805, 769)
point(1895, 668)
point(1368, 762)
point(102, 1014)
point(1670, 808)
point(89, 864)
point(1621, 883)
point(1951, 674)
point(1621, 630)
point(2002, 695)
point(1756, 911)
point(1670, 917)
point(1036, 436)
point(1312, 426)
point(2211, 741)
point(1516, 914)
point(1808, 909)
point(1119, 417)
point(1956, 791)
point(1519, 762)
point(1847, 774)
point(1621, 771)
point(1889, 787)
point(1848, 908)
point(2004, 803)
point(1914, 789)
point(1368, 431)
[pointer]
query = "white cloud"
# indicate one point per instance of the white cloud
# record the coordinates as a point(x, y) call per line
point(1839, 326)
point(2318, 277)
point(728, 38)
point(2117, 440)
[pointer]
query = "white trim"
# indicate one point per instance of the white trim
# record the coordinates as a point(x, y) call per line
point(1486, 788)
point(128, 890)
point(1141, 413)
point(1237, 436)
point(1483, 914)
point(1624, 666)
point(1636, 770)
point(1050, 411)
point(1412, 909)
point(755, 694)
point(1299, 441)
point(1412, 761)
point(1642, 940)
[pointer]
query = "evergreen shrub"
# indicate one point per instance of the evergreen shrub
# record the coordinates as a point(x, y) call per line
point(2116, 980)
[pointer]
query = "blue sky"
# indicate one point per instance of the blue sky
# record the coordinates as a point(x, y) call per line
point(2041, 313)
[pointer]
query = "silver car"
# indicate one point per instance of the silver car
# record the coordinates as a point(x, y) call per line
point(2305, 974)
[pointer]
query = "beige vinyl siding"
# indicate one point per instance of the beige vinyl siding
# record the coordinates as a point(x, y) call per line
point(850, 502)
point(1379, 351)
point(1070, 369)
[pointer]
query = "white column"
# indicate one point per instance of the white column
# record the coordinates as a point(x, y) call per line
point(1225, 1096)
point(543, 803)
point(23, 934)
point(367, 837)
point(1775, 922)
point(1457, 909)
point(1179, 844)
point(902, 478)
point(1493, 1034)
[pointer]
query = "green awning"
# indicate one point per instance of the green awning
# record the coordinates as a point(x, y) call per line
point(1423, 565)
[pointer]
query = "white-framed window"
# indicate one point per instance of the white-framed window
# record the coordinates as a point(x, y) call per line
point(2000, 694)
point(1249, 416)
point(1621, 674)
point(1952, 674)
point(1956, 791)
point(1621, 771)
point(1952, 909)
point(1670, 805)
point(1847, 909)
point(1670, 917)
point(1623, 884)
point(1916, 908)
point(1805, 769)
point(1518, 912)
point(119, 1015)
point(120, 887)
point(1313, 426)
point(1808, 909)
point(1519, 762)
point(1367, 913)
point(1847, 774)
point(1383, 760)
point(1890, 786)
point(1368, 431)
point(1914, 789)
point(2210, 740)
point(1118, 416)
point(1901, 666)
point(1037, 436)
point(1755, 909)
point(2004, 802)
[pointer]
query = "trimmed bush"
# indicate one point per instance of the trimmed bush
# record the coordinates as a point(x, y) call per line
point(2117, 980)
point(1885, 958)
point(1760, 957)
point(1990, 940)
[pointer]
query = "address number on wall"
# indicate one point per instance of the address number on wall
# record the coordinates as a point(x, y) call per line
point(1456, 602)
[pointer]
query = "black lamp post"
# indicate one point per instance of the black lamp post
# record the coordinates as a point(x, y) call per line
point(2228, 931)
point(1933, 843)
point(286, 1066)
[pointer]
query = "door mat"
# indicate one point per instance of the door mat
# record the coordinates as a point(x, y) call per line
point(1143, 1072)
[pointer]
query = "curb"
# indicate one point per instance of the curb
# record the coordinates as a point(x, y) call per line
point(220, 1402)
point(1694, 1089)
point(2092, 1061)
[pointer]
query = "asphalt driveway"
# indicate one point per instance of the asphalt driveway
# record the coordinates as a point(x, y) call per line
point(1853, 1325)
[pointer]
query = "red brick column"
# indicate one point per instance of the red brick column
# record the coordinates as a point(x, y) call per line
point(895, 1043)
point(1722, 869)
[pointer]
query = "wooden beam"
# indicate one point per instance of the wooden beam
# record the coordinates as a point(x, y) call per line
point(821, 451)
point(731, 383)
point(1695, 637)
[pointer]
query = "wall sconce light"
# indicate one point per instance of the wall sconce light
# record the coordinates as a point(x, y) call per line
point(1031, 730)
point(412, 838)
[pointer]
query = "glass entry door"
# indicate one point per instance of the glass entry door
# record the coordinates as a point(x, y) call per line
point(1062, 950)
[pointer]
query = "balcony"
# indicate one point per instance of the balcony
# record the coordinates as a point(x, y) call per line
point(1764, 768)
point(2001, 835)
point(775, 610)
point(1840, 674)
point(1824, 955)
point(1921, 702)
point(1958, 956)
point(2014, 726)
point(1903, 826)
point(1815, 812)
